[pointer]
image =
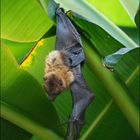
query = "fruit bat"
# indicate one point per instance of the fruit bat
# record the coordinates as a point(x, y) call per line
point(63, 71)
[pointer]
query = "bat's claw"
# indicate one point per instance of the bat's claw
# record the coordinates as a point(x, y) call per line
point(59, 10)
point(74, 128)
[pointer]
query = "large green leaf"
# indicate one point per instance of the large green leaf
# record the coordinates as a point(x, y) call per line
point(102, 41)
point(29, 125)
point(111, 119)
point(105, 44)
point(19, 50)
point(96, 111)
point(12, 132)
point(101, 114)
point(132, 33)
point(113, 10)
point(137, 19)
point(16, 92)
point(128, 70)
point(49, 7)
point(112, 127)
point(34, 138)
point(111, 60)
point(23, 20)
point(131, 7)
point(34, 63)
point(93, 15)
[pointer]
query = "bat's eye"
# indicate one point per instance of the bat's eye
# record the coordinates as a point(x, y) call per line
point(76, 53)
point(60, 83)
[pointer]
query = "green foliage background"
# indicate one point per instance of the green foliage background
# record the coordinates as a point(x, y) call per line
point(28, 35)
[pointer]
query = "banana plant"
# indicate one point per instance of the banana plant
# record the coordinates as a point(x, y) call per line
point(109, 41)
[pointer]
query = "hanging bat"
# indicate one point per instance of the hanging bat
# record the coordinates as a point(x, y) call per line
point(63, 71)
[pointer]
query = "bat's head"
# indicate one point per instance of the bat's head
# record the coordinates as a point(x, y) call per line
point(54, 84)
point(58, 75)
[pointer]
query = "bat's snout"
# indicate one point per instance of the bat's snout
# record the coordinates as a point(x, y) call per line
point(52, 86)
point(52, 97)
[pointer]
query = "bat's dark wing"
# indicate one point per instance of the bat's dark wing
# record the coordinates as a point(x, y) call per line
point(68, 39)
point(82, 97)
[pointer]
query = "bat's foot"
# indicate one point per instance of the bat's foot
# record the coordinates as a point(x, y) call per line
point(77, 118)
point(74, 128)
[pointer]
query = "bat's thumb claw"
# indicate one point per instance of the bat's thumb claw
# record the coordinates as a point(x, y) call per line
point(59, 10)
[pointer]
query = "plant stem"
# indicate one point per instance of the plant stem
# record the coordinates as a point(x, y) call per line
point(113, 87)
point(10, 114)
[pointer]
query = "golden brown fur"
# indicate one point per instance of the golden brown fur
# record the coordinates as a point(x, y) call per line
point(58, 75)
